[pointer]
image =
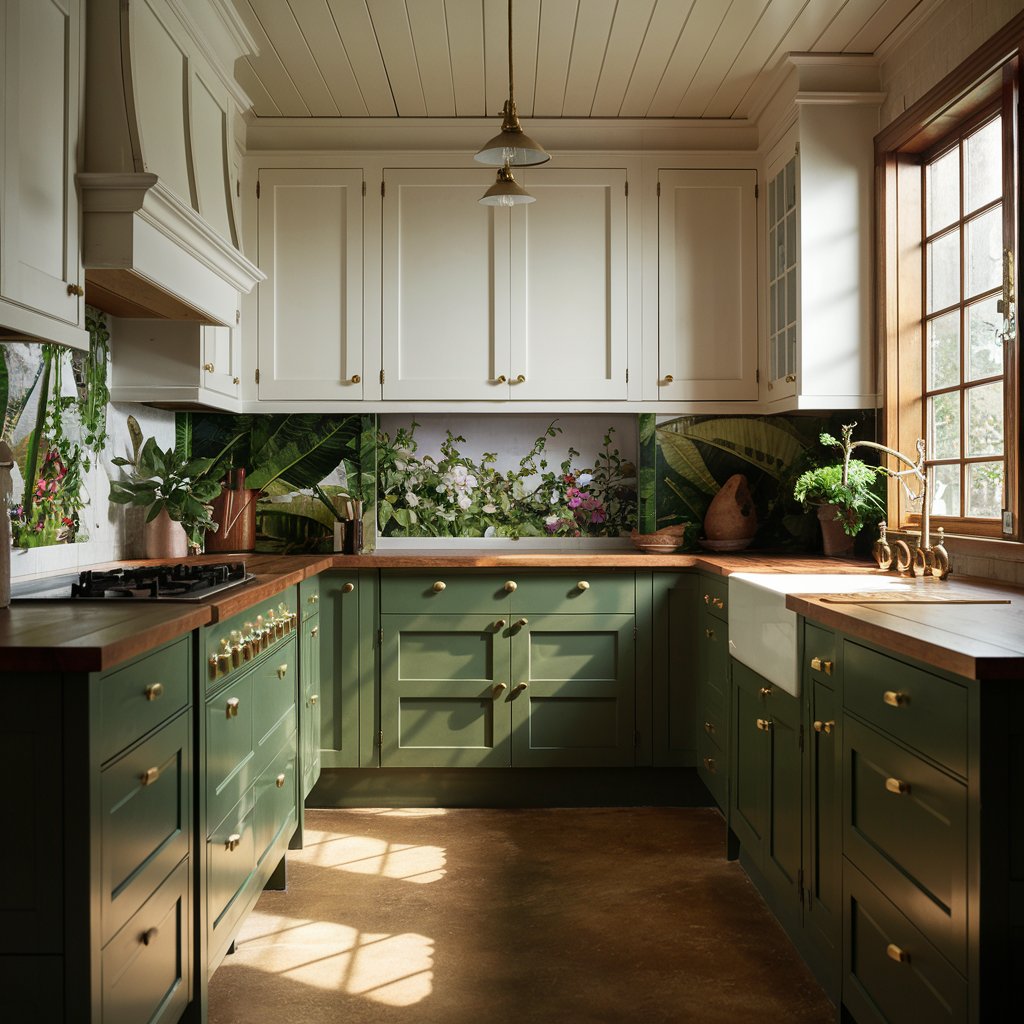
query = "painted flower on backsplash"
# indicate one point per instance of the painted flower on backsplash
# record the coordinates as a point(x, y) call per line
point(455, 496)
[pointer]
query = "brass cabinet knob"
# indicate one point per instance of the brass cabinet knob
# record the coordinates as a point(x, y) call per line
point(510, 586)
point(667, 379)
point(764, 724)
point(709, 764)
point(439, 586)
point(355, 379)
point(893, 952)
point(825, 727)
point(233, 842)
point(282, 671)
point(231, 708)
point(208, 367)
point(148, 937)
point(500, 380)
point(154, 691)
point(583, 585)
point(500, 624)
point(895, 699)
point(709, 633)
point(790, 378)
point(709, 728)
point(897, 786)
point(519, 687)
point(521, 379)
point(279, 781)
point(707, 598)
point(521, 622)
point(149, 776)
point(314, 631)
point(348, 588)
point(314, 699)
point(765, 691)
point(821, 665)
point(498, 689)
point(76, 289)
point(236, 381)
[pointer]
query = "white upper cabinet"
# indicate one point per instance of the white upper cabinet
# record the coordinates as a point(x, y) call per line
point(818, 209)
point(310, 241)
point(483, 303)
point(41, 292)
point(707, 285)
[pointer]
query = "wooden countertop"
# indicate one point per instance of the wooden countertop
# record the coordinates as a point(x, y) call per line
point(977, 641)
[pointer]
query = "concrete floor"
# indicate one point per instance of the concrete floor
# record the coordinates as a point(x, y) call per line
point(545, 916)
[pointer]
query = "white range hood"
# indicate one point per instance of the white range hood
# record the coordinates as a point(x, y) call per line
point(159, 224)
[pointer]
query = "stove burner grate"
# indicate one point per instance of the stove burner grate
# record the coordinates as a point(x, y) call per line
point(159, 581)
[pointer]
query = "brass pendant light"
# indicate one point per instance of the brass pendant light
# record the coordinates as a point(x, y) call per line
point(506, 191)
point(511, 146)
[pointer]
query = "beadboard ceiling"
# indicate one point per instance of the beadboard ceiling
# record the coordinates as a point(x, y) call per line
point(573, 58)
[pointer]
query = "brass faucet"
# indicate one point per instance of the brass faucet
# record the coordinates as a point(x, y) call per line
point(926, 559)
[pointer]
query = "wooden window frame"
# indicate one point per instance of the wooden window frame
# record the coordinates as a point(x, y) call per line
point(988, 78)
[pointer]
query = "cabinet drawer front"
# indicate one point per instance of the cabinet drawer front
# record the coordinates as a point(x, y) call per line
point(712, 769)
point(140, 696)
point(444, 591)
point(146, 813)
point(819, 652)
point(276, 801)
point(713, 723)
point(274, 695)
point(229, 746)
point(146, 966)
point(911, 843)
point(230, 860)
point(893, 974)
point(309, 598)
point(924, 711)
point(713, 657)
point(582, 592)
point(714, 596)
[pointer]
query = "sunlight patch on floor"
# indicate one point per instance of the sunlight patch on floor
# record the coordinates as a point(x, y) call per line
point(368, 855)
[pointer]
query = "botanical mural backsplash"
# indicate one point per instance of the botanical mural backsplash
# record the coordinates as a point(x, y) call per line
point(539, 487)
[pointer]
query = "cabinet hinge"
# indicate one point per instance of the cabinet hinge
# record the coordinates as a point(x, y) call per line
point(757, 192)
point(382, 189)
point(659, 188)
point(257, 188)
point(627, 188)
point(382, 376)
point(238, 316)
point(257, 375)
point(380, 636)
point(800, 739)
point(364, 188)
point(634, 632)
point(627, 374)
point(238, 188)
point(757, 376)
point(380, 738)
point(636, 738)
point(800, 885)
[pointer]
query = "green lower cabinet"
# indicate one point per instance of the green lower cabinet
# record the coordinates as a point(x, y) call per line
point(711, 640)
point(674, 671)
point(463, 691)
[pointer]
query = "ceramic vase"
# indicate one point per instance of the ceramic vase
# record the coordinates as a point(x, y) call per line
point(235, 511)
point(164, 538)
point(836, 542)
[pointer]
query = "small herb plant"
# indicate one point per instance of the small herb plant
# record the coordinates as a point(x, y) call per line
point(166, 481)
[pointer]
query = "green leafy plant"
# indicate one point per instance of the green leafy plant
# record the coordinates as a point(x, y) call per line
point(164, 480)
point(851, 485)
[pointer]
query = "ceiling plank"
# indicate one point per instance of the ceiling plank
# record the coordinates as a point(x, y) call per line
point(588, 51)
point(525, 37)
point(355, 28)
point(465, 21)
point(495, 57)
point(269, 68)
point(554, 50)
point(663, 37)
point(846, 23)
point(878, 28)
point(321, 36)
point(280, 25)
point(430, 39)
point(263, 104)
point(734, 31)
point(394, 37)
point(700, 29)
point(628, 30)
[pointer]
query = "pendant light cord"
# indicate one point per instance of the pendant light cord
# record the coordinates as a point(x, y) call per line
point(511, 93)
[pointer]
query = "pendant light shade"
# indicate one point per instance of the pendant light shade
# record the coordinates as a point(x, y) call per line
point(511, 146)
point(506, 191)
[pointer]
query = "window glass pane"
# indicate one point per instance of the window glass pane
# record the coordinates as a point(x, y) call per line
point(780, 251)
point(984, 351)
point(944, 351)
point(985, 419)
point(944, 490)
point(780, 188)
point(942, 204)
point(985, 251)
point(983, 170)
point(944, 271)
point(984, 489)
point(791, 350)
point(771, 203)
point(791, 296)
point(791, 184)
point(791, 239)
point(944, 426)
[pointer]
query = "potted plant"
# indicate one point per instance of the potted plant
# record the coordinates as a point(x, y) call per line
point(174, 490)
point(844, 493)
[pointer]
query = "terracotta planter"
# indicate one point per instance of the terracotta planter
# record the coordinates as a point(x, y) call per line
point(730, 523)
point(835, 540)
point(164, 538)
point(235, 510)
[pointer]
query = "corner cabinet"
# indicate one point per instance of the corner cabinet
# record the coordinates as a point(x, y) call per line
point(41, 277)
point(707, 285)
point(483, 303)
point(310, 246)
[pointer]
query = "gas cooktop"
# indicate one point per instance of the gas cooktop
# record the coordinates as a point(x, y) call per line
point(179, 582)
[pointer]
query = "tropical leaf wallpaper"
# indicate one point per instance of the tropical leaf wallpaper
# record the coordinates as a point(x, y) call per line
point(684, 462)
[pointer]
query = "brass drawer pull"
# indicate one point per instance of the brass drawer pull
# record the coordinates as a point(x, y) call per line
point(520, 379)
point(154, 691)
point(764, 724)
point(348, 588)
point(668, 378)
point(825, 727)
point(149, 776)
point(709, 764)
point(709, 633)
point(232, 707)
point(314, 699)
point(511, 586)
point(233, 842)
point(897, 786)
point(498, 689)
point(148, 936)
point(439, 586)
point(279, 781)
point(765, 691)
point(521, 622)
point(355, 379)
point(583, 585)
point(707, 599)
point(821, 665)
point(893, 952)
point(709, 728)
point(519, 687)
point(208, 367)
point(76, 289)
point(282, 671)
point(500, 624)
point(501, 379)
point(717, 602)
point(895, 699)
point(315, 631)
point(313, 599)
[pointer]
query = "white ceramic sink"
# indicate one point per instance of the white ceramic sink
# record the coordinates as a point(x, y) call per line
point(762, 630)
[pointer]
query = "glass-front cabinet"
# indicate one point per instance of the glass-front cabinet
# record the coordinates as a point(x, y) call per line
point(783, 278)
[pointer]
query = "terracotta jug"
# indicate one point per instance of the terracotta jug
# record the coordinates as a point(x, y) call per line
point(731, 516)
